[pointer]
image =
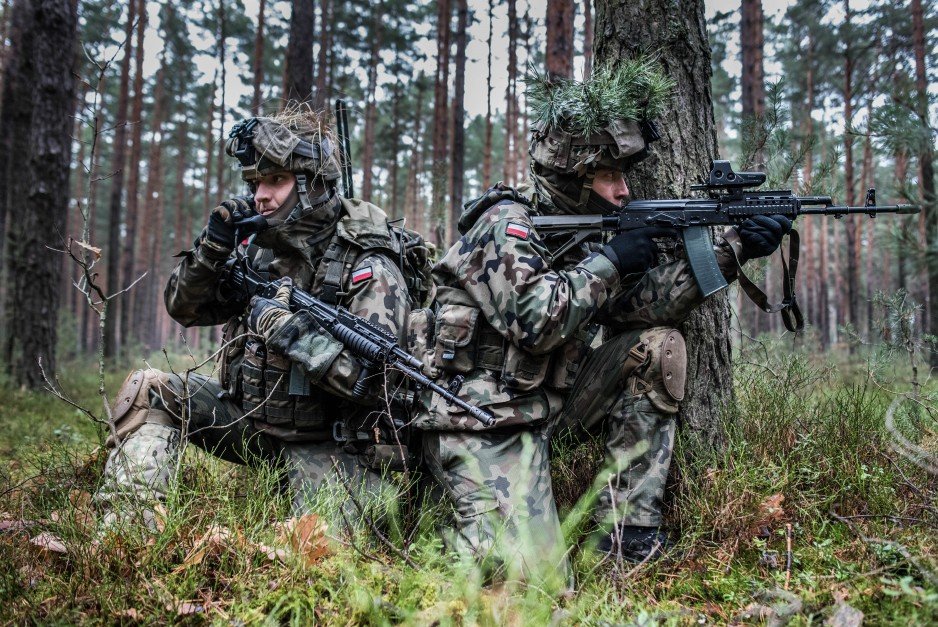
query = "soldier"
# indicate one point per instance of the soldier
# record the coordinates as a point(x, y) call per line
point(284, 394)
point(515, 322)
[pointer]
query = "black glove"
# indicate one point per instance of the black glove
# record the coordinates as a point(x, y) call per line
point(761, 235)
point(635, 251)
point(222, 223)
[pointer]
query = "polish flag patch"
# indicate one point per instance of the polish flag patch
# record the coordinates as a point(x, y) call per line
point(518, 230)
point(362, 274)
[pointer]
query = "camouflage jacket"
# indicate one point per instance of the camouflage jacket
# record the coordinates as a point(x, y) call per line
point(374, 288)
point(546, 313)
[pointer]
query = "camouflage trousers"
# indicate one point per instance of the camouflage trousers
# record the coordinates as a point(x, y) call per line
point(149, 430)
point(500, 487)
point(637, 414)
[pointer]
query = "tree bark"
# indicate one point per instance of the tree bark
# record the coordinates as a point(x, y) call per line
point(34, 272)
point(851, 225)
point(511, 101)
point(441, 120)
point(298, 68)
point(414, 216)
point(129, 330)
point(258, 60)
point(325, 43)
point(222, 108)
point(459, 118)
point(559, 55)
point(118, 164)
point(487, 153)
point(625, 29)
point(926, 168)
point(587, 38)
point(371, 104)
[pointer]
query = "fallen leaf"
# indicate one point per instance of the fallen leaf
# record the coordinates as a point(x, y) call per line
point(12, 526)
point(307, 536)
point(770, 511)
point(215, 541)
point(49, 542)
point(185, 608)
point(130, 613)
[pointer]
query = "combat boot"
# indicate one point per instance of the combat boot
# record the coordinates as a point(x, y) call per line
point(634, 544)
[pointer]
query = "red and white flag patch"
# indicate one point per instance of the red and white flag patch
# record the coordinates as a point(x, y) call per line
point(362, 274)
point(518, 230)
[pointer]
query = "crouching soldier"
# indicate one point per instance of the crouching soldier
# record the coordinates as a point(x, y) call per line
point(285, 394)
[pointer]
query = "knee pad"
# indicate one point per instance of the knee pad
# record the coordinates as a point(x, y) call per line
point(132, 405)
point(664, 374)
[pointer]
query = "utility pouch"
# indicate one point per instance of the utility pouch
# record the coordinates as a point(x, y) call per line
point(252, 376)
point(454, 335)
point(522, 371)
point(568, 359)
point(229, 361)
point(278, 410)
point(380, 457)
point(420, 339)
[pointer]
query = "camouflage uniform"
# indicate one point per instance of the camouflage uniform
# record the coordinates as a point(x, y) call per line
point(285, 400)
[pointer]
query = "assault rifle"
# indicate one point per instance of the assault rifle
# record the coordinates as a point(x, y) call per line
point(729, 203)
point(372, 346)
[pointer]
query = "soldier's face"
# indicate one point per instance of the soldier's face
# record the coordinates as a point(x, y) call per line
point(611, 185)
point(272, 191)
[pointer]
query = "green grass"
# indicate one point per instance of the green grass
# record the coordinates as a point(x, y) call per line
point(800, 430)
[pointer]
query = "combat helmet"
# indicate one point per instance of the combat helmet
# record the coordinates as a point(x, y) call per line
point(295, 141)
point(604, 122)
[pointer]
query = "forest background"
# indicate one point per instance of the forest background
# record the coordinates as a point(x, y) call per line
point(111, 157)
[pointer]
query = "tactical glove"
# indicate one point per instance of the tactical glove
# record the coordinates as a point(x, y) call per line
point(761, 235)
point(223, 221)
point(269, 314)
point(636, 251)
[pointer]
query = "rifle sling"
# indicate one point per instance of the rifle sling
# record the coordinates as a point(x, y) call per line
point(789, 309)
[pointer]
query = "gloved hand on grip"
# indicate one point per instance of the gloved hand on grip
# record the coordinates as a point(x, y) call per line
point(269, 314)
point(761, 235)
point(635, 251)
point(223, 221)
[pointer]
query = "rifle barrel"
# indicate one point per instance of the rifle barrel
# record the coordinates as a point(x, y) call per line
point(839, 210)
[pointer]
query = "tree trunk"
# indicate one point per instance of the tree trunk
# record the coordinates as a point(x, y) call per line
point(325, 43)
point(560, 38)
point(414, 217)
point(511, 102)
point(34, 272)
point(128, 328)
point(222, 108)
point(624, 29)
point(258, 60)
point(298, 68)
point(487, 153)
point(371, 104)
point(851, 227)
point(926, 168)
point(112, 252)
point(459, 118)
point(587, 38)
point(441, 119)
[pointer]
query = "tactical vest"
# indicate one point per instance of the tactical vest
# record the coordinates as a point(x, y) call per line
point(455, 339)
point(274, 392)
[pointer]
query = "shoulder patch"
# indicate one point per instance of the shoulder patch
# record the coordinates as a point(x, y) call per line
point(518, 230)
point(362, 274)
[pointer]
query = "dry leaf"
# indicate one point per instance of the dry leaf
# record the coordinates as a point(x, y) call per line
point(12, 526)
point(185, 608)
point(214, 541)
point(307, 536)
point(94, 250)
point(130, 614)
point(770, 511)
point(49, 542)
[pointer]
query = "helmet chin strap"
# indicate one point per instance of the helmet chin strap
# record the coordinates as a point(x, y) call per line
point(304, 205)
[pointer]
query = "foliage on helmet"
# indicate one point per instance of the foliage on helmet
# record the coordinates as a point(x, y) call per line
point(632, 90)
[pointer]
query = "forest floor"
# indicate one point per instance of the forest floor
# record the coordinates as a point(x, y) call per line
point(809, 514)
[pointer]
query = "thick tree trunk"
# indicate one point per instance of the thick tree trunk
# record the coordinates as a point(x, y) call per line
point(112, 252)
point(850, 222)
point(459, 118)
point(34, 272)
point(258, 60)
point(413, 214)
point(441, 120)
point(128, 328)
point(624, 29)
point(560, 38)
point(298, 68)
